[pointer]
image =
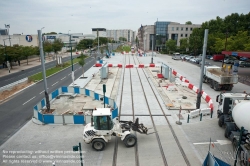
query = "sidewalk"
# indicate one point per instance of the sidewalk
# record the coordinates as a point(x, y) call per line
point(32, 62)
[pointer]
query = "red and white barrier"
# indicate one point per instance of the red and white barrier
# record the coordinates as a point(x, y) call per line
point(186, 83)
point(129, 65)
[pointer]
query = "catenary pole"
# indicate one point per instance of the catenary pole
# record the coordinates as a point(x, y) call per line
point(43, 70)
point(198, 103)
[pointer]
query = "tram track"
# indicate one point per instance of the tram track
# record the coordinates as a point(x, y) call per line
point(170, 126)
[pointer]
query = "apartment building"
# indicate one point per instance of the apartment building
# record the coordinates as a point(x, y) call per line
point(117, 33)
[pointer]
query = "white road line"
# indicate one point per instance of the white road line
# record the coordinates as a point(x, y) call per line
point(54, 83)
point(69, 74)
point(41, 92)
point(63, 78)
point(29, 100)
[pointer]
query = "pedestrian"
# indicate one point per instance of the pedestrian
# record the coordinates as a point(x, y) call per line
point(19, 62)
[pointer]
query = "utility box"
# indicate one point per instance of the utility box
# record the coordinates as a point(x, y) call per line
point(165, 71)
point(104, 71)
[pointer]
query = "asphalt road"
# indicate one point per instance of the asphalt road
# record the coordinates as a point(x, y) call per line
point(8, 79)
point(19, 109)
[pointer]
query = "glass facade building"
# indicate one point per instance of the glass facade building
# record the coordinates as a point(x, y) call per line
point(161, 36)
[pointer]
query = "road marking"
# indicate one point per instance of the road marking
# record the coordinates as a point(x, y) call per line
point(63, 78)
point(41, 92)
point(221, 142)
point(69, 74)
point(29, 100)
point(54, 83)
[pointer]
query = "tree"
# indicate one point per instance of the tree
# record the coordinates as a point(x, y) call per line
point(57, 46)
point(47, 47)
point(26, 51)
point(219, 45)
point(81, 62)
point(122, 39)
point(188, 23)
point(183, 44)
point(51, 33)
point(171, 45)
point(84, 44)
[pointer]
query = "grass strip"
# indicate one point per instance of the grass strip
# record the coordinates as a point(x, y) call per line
point(38, 76)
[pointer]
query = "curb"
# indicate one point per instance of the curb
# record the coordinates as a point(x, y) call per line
point(1, 101)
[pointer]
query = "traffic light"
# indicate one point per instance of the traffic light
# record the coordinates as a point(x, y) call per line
point(75, 148)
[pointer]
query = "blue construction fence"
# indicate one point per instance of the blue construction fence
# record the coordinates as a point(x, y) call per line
point(70, 119)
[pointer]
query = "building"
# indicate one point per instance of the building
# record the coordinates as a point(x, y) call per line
point(101, 31)
point(22, 40)
point(32, 40)
point(3, 32)
point(126, 33)
point(161, 32)
point(177, 31)
point(145, 35)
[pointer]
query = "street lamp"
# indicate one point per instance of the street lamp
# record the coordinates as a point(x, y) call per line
point(8, 26)
point(72, 68)
point(8, 64)
point(152, 59)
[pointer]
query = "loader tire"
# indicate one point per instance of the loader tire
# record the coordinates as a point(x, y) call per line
point(98, 144)
point(227, 131)
point(130, 140)
point(221, 121)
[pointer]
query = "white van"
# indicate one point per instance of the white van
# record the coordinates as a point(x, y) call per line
point(176, 56)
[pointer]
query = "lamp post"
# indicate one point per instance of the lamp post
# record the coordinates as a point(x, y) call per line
point(152, 59)
point(8, 64)
point(8, 26)
point(72, 68)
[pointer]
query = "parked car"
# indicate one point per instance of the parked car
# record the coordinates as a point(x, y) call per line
point(229, 61)
point(198, 60)
point(192, 60)
point(243, 58)
point(209, 56)
point(206, 63)
point(244, 64)
point(189, 57)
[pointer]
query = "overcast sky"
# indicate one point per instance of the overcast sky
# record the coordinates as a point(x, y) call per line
point(79, 16)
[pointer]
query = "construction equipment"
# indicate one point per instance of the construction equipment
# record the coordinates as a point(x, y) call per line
point(219, 78)
point(102, 127)
point(234, 114)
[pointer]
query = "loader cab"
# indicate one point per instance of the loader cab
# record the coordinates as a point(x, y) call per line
point(102, 119)
point(103, 123)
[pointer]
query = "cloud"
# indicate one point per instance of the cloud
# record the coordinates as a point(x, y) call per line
point(27, 16)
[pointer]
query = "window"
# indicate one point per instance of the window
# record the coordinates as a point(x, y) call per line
point(181, 35)
point(177, 28)
point(181, 28)
point(186, 35)
point(191, 29)
point(172, 28)
point(186, 29)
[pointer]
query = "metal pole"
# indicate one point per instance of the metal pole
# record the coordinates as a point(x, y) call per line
point(9, 35)
point(43, 70)
point(80, 148)
point(198, 103)
point(72, 68)
point(152, 60)
point(98, 42)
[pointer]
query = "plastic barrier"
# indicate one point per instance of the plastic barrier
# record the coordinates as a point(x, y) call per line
point(194, 113)
point(206, 111)
point(110, 65)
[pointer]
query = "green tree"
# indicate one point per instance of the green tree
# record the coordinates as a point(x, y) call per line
point(26, 51)
point(171, 45)
point(57, 46)
point(219, 45)
point(188, 23)
point(47, 47)
point(122, 39)
point(84, 44)
point(183, 44)
point(81, 62)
